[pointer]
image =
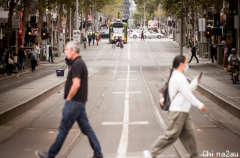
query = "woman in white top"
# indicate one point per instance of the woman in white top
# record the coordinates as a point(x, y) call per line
point(180, 124)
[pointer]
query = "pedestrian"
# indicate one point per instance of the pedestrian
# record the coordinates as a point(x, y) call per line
point(15, 55)
point(100, 36)
point(212, 52)
point(21, 58)
point(10, 63)
point(193, 54)
point(50, 53)
point(76, 89)
point(225, 54)
point(34, 57)
point(89, 39)
point(180, 123)
point(93, 37)
point(97, 37)
point(38, 49)
point(142, 35)
point(6, 61)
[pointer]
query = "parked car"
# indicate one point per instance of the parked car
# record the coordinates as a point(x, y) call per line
point(136, 34)
point(152, 34)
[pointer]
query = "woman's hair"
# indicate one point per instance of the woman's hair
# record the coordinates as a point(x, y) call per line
point(176, 62)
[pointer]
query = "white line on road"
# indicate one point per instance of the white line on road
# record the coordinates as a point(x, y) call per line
point(126, 92)
point(5, 86)
point(128, 71)
point(129, 50)
point(128, 123)
point(129, 79)
point(122, 148)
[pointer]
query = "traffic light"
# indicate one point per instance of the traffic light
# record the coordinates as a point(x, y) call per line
point(44, 33)
point(208, 32)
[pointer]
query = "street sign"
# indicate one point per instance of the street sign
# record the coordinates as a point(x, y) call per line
point(34, 31)
point(63, 24)
point(76, 35)
point(63, 31)
point(89, 17)
point(55, 28)
point(202, 26)
point(16, 21)
point(144, 19)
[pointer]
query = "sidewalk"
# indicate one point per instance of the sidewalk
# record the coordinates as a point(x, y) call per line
point(18, 100)
point(216, 84)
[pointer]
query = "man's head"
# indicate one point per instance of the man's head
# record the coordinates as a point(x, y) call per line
point(72, 50)
point(21, 46)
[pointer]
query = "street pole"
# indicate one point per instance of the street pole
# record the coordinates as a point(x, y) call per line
point(159, 17)
point(181, 36)
point(70, 25)
point(82, 19)
point(141, 19)
point(76, 24)
point(16, 28)
point(52, 31)
point(194, 22)
point(144, 15)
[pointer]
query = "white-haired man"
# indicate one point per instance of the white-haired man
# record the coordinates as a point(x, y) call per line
point(76, 88)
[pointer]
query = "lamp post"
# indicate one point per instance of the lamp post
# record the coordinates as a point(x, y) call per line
point(144, 15)
point(76, 22)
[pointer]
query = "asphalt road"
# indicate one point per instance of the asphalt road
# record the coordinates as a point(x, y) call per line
point(122, 108)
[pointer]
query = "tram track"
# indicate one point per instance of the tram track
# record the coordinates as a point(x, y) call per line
point(47, 112)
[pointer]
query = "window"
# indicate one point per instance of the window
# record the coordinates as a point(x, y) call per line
point(154, 24)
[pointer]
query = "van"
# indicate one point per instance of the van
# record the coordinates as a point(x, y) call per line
point(152, 25)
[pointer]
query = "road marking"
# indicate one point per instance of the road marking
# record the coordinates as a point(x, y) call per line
point(5, 86)
point(29, 77)
point(127, 123)
point(126, 92)
point(129, 79)
point(129, 51)
point(128, 71)
point(122, 148)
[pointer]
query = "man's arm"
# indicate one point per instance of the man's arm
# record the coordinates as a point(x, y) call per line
point(74, 88)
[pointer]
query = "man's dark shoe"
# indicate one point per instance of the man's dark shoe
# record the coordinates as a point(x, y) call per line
point(41, 154)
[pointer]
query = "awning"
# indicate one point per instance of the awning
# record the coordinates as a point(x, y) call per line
point(6, 30)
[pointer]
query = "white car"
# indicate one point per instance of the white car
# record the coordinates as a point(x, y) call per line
point(135, 34)
point(152, 34)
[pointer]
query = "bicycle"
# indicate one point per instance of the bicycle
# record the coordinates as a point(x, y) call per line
point(234, 71)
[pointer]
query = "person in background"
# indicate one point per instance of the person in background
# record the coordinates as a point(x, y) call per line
point(50, 53)
point(38, 49)
point(34, 57)
point(180, 123)
point(15, 66)
point(225, 54)
point(234, 60)
point(89, 39)
point(21, 58)
point(193, 54)
point(142, 35)
point(10, 63)
point(97, 37)
point(6, 60)
point(212, 52)
point(93, 37)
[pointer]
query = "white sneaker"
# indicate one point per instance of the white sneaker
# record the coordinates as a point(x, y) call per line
point(146, 154)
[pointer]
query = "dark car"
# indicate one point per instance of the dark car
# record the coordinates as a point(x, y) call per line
point(104, 35)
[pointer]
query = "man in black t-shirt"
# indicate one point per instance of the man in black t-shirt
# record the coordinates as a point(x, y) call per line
point(75, 93)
